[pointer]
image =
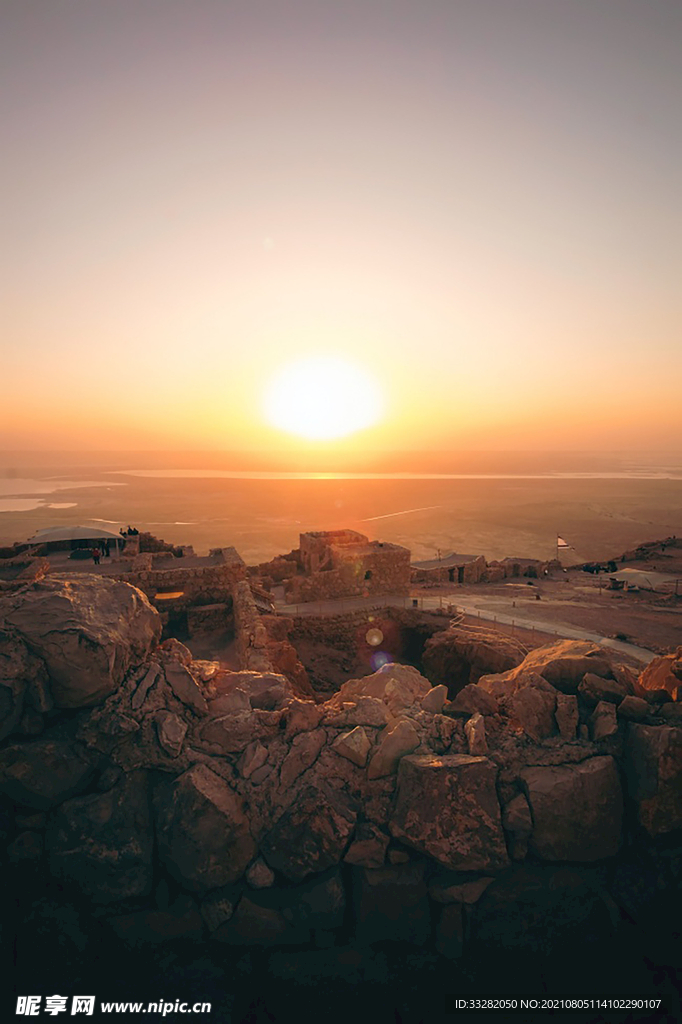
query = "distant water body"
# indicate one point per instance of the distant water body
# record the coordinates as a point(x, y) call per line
point(515, 506)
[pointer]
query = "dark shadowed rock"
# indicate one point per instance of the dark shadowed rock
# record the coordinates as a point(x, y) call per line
point(311, 835)
point(44, 773)
point(454, 657)
point(202, 830)
point(368, 849)
point(391, 903)
point(566, 715)
point(539, 910)
point(530, 709)
point(634, 708)
point(23, 682)
point(447, 808)
point(472, 699)
point(603, 720)
point(171, 731)
point(653, 766)
point(256, 924)
point(304, 750)
point(450, 931)
point(151, 927)
point(593, 689)
point(88, 630)
point(577, 810)
point(102, 843)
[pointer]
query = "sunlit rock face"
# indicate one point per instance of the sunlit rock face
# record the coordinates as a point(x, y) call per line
point(184, 800)
point(88, 631)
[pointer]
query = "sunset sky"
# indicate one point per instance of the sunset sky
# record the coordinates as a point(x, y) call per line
point(476, 203)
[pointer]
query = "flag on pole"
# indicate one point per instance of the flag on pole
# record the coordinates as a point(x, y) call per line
point(561, 543)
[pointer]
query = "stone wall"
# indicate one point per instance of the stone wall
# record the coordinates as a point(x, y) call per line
point(251, 636)
point(539, 810)
point(209, 584)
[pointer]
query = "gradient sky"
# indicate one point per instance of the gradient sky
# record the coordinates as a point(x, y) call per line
point(476, 200)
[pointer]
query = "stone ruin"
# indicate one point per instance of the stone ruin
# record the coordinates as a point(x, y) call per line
point(339, 563)
point(153, 801)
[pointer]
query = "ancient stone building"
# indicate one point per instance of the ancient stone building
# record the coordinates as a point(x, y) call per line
point(343, 563)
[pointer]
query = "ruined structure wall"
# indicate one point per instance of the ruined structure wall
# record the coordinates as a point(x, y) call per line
point(199, 585)
point(251, 636)
point(388, 568)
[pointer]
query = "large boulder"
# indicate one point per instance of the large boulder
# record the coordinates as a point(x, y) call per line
point(577, 809)
point(447, 808)
point(391, 903)
point(44, 773)
point(311, 835)
point(398, 686)
point(87, 629)
point(653, 767)
point(23, 682)
point(202, 830)
point(102, 843)
point(564, 663)
point(663, 673)
point(455, 657)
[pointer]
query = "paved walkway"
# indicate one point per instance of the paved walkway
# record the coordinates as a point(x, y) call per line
point(453, 605)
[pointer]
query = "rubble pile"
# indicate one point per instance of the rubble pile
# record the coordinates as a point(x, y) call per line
point(171, 799)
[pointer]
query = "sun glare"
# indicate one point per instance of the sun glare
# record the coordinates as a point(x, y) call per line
point(322, 397)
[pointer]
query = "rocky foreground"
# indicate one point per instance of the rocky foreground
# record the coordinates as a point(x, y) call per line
point(167, 799)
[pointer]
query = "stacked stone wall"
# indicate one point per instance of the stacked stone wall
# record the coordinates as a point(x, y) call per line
point(210, 584)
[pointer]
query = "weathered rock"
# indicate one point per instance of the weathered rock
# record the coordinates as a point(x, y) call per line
point(435, 699)
point(268, 691)
point(594, 689)
point(447, 808)
point(472, 699)
point(370, 711)
point(259, 875)
point(603, 720)
point(301, 716)
point(318, 903)
point(354, 745)
point(203, 831)
point(171, 731)
point(255, 924)
point(518, 825)
point(455, 657)
point(88, 630)
point(219, 906)
point(231, 734)
point(185, 687)
point(653, 766)
point(391, 903)
point(671, 713)
point(145, 685)
point(395, 742)
point(564, 663)
point(103, 842)
point(234, 702)
point(304, 752)
point(368, 849)
point(577, 810)
point(172, 650)
point(447, 887)
point(566, 715)
point(634, 708)
point(531, 708)
point(398, 686)
point(311, 835)
point(22, 677)
point(253, 758)
point(474, 730)
point(43, 773)
point(663, 673)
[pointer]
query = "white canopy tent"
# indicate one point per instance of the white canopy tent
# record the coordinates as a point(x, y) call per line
point(56, 533)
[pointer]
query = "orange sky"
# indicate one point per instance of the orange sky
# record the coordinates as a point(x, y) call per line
point(476, 201)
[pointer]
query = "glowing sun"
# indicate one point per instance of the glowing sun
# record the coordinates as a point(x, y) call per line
point(322, 397)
